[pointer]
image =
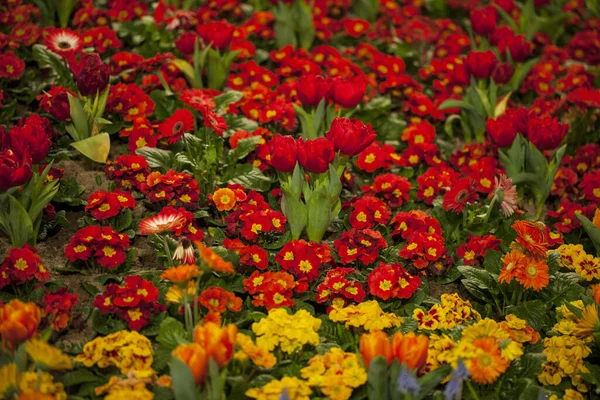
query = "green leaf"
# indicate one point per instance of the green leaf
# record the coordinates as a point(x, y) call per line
point(319, 214)
point(79, 118)
point(171, 334)
point(157, 158)
point(295, 211)
point(96, 148)
point(592, 231)
point(377, 382)
point(79, 376)
point(227, 98)
point(165, 105)
point(244, 147)
point(492, 261)
point(456, 104)
point(48, 59)
point(188, 70)
point(21, 226)
point(184, 385)
point(480, 277)
point(431, 380)
point(253, 180)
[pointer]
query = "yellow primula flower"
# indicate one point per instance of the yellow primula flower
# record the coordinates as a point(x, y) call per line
point(8, 378)
point(41, 382)
point(296, 389)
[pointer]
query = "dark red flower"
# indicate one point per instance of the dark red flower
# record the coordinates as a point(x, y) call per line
point(217, 34)
point(546, 133)
point(93, 76)
point(484, 20)
point(15, 169)
point(315, 155)
point(481, 64)
point(503, 72)
point(461, 194)
point(283, 152)
point(350, 136)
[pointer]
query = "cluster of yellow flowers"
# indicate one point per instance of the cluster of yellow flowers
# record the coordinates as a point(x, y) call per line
point(570, 394)
point(367, 314)
point(573, 257)
point(29, 383)
point(485, 347)
point(132, 387)
point(126, 350)
point(519, 331)
point(336, 373)
point(294, 388)
point(449, 313)
point(289, 332)
point(565, 352)
point(259, 356)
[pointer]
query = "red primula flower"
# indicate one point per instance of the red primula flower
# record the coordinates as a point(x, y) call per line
point(392, 281)
point(338, 285)
point(367, 212)
point(22, 265)
point(302, 259)
point(57, 307)
point(473, 252)
point(219, 300)
point(363, 245)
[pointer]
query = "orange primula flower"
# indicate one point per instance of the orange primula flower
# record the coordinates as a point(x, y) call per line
point(181, 274)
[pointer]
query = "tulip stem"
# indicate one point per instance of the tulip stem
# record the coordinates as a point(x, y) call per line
point(167, 251)
point(472, 390)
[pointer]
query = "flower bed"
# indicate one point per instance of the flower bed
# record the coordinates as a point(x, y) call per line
point(283, 200)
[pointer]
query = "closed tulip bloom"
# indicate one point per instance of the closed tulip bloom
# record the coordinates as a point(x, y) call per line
point(410, 349)
point(93, 75)
point(195, 357)
point(311, 89)
point(348, 93)
point(283, 152)
point(546, 133)
point(18, 322)
point(315, 155)
point(350, 136)
point(375, 344)
point(503, 72)
point(481, 64)
point(219, 342)
point(484, 20)
point(219, 34)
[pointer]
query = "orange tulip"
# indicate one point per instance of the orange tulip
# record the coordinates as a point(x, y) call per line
point(219, 342)
point(18, 322)
point(195, 357)
point(410, 349)
point(596, 219)
point(375, 344)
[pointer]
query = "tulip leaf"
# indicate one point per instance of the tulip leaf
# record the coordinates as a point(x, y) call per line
point(319, 214)
point(431, 380)
point(79, 117)
point(295, 212)
point(20, 223)
point(377, 383)
point(187, 69)
point(183, 380)
point(592, 231)
point(456, 104)
point(96, 148)
point(501, 105)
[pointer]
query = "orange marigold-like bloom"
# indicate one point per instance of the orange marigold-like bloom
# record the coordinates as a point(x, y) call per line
point(181, 274)
point(596, 292)
point(213, 260)
point(534, 274)
point(224, 199)
point(513, 263)
point(488, 364)
point(533, 236)
point(18, 322)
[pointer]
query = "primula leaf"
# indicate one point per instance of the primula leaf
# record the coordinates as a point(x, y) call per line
point(253, 180)
point(244, 147)
point(183, 380)
point(227, 98)
point(171, 333)
point(157, 158)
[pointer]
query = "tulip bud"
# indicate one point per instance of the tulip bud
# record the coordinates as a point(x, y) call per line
point(375, 344)
point(481, 64)
point(348, 93)
point(283, 153)
point(218, 341)
point(311, 89)
point(503, 72)
point(59, 106)
point(484, 20)
point(93, 75)
point(596, 292)
point(350, 136)
point(15, 169)
point(195, 357)
point(315, 155)
point(546, 133)
point(410, 349)
point(18, 322)
point(217, 34)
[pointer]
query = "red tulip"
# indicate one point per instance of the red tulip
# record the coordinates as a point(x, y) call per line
point(505, 128)
point(484, 20)
point(218, 33)
point(312, 89)
point(93, 76)
point(502, 73)
point(350, 136)
point(59, 107)
point(282, 150)
point(315, 155)
point(518, 46)
point(15, 169)
point(348, 93)
point(481, 64)
point(546, 133)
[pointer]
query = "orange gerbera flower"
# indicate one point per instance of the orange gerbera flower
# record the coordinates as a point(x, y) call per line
point(224, 199)
point(213, 260)
point(532, 236)
point(488, 364)
point(181, 274)
point(534, 274)
point(513, 263)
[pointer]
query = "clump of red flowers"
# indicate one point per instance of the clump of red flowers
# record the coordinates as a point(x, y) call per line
point(218, 300)
point(57, 307)
point(104, 205)
point(98, 245)
point(128, 171)
point(272, 289)
point(303, 259)
point(392, 281)
point(363, 245)
point(473, 252)
point(369, 211)
point(135, 301)
point(339, 287)
point(172, 188)
point(22, 265)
